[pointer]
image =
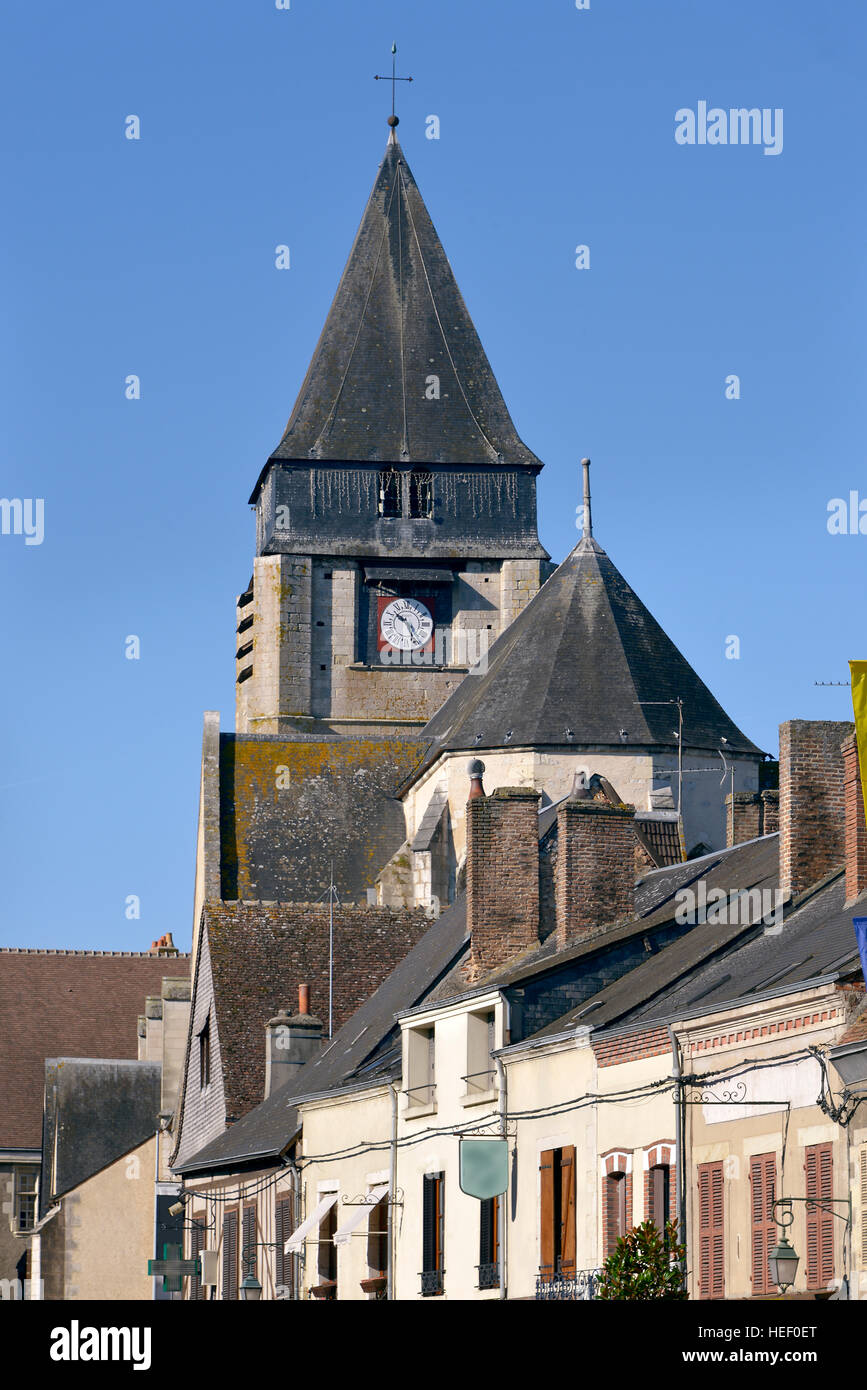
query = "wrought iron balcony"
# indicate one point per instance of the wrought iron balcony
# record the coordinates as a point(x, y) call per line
point(580, 1285)
point(489, 1276)
point(431, 1281)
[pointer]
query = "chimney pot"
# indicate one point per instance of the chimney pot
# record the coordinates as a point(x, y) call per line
point(304, 999)
point(476, 768)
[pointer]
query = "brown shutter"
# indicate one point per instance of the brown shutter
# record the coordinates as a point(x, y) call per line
point(282, 1232)
point(546, 1246)
point(819, 1184)
point(567, 1207)
point(230, 1255)
point(196, 1242)
point(249, 1249)
point(711, 1231)
point(763, 1180)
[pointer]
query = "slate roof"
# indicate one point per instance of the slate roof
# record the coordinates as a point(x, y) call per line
point(78, 1003)
point(816, 941)
point(365, 1047)
point(96, 1110)
point(572, 669)
point(695, 975)
point(397, 319)
point(263, 1133)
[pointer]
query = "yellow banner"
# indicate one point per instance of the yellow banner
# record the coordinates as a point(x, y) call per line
point(858, 677)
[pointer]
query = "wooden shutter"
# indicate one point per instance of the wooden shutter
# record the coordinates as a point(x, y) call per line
point(711, 1231)
point(196, 1243)
point(282, 1232)
point(567, 1210)
point(763, 1184)
point(230, 1255)
point(818, 1167)
point(660, 1195)
point(432, 1223)
point(487, 1218)
point(615, 1210)
point(249, 1249)
point(546, 1216)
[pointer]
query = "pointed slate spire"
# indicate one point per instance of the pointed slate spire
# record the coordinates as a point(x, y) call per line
point(583, 664)
point(399, 374)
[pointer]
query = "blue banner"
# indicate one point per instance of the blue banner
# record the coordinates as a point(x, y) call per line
point(860, 925)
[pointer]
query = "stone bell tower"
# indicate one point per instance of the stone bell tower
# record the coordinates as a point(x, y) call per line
point(396, 519)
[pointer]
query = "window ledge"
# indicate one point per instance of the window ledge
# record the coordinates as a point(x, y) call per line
point(478, 1097)
point(413, 1112)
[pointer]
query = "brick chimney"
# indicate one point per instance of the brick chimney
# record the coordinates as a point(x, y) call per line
point(595, 873)
point(856, 830)
point(812, 814)
point(502, 876)
point(290, 1041)
point(751, 814)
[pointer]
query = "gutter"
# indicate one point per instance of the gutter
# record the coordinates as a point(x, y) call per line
point(680, 1121)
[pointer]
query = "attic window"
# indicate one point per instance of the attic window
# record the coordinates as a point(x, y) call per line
point(389, 493)
point(420, 493)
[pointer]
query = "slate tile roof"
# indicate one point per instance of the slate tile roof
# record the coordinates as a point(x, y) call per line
point(578, 666)
point(398, 318)
point(73, 1003)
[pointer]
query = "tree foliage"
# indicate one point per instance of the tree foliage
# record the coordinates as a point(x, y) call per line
point(645, 1264)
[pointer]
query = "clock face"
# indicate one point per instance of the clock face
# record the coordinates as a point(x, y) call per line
point(406, 623)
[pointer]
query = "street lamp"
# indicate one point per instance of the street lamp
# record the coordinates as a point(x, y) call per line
point(783, 1263)
point(783, 1260)
point(250, 1290)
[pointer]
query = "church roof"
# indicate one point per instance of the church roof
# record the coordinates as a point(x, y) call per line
point(397, 320)
point(582, 664)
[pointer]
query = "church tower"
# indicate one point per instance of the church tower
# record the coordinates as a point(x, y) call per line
point(396, 519)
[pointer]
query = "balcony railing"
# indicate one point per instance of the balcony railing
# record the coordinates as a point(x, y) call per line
point(431, 1281)
point(580, 1285)
point(489, 1276)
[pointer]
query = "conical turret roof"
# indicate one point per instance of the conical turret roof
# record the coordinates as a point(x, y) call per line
point(399, 374)
point(582, 665)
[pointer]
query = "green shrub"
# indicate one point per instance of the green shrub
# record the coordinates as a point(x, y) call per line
point(645, 1264)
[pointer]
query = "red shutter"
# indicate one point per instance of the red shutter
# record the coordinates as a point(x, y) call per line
point(711, 1231)
point(567, 1207)
point(763, 1180)
point(818, 1167)
point(546, 1245)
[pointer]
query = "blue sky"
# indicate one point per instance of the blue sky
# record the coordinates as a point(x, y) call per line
point(155, 257)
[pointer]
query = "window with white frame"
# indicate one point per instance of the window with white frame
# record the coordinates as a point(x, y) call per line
point(24, 1208)
point(481, 1075)
point(421, 1067)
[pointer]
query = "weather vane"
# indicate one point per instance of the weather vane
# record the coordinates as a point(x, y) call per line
point(379, 77)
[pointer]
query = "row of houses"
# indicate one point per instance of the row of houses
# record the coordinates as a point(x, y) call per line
point(564, 1054)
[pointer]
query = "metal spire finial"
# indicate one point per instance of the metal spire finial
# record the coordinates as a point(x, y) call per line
point(588, 520)
point(393, 120)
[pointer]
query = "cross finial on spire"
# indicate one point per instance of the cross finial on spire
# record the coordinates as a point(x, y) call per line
point(588, 520)
point(378, 77)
